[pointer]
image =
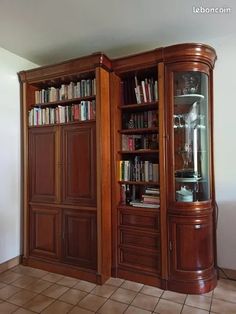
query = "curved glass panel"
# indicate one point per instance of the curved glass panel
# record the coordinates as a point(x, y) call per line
point(191, 136)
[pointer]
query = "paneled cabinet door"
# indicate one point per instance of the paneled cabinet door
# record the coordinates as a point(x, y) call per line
point(191, 248)
point(43, 164)
point(44, 232)
point(79, 164)
point(80, 238)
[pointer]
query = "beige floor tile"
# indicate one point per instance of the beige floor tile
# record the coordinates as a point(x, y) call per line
point(117, 282)
point(85, 286)
point(113, 307)
point(92, 302)
point(20, 269)
point(123, 295)
point(39, 303)
point(39, 285)
point(199, 301)
point(38, 273)
point(7, 308)
point(2, 285)
point(79, 310)
point(168, 307)
point(193, 310)
point(223, 307)
point(68, 282)
point(23, 311)
point(73, 296)
point(58, 307)
point(208, 294)
point(149, 290)
point(23, 282)
point(131, 285)
point(225, 290)
point(9, 277)
point(55, 291)
point(134, 310)
point(146, 302)
point(52, 277)
point(21, 297)
point(8, 291)
point(104, 291)
point(174, 296)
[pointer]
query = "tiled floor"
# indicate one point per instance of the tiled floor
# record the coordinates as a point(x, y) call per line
point(24, 290)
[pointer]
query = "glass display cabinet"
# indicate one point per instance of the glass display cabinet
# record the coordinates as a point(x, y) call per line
point(190, 189)
point(191, 136)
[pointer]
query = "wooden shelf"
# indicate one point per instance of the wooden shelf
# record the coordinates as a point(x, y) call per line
point(129, 207)
point(64, 102)
point(139, 131)
point(61, 124)
point(140, 151)
point(142, 106)
point(140, 182)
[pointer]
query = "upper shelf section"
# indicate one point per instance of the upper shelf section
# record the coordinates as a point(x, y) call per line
point(182, 52)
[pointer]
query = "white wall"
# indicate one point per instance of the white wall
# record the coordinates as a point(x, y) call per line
point(10, 64)
point(225, 148)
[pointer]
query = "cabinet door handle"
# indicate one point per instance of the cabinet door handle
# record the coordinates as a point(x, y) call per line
point(197, 227)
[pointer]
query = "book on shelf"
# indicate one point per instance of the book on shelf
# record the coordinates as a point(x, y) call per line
point(85, 110)
point(140, 120)
point(138, 142)
point(137, 170)
point(82, 88)
point(146, 91)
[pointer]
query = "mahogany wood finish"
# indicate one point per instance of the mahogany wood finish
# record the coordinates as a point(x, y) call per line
point(79, 238)
point(71, 180)
point(44, 232)
point(43, 175)
point(185, 233)
point(79, 164)
point(66, 176)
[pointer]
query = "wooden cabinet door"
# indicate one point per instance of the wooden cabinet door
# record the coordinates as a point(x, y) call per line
point(44, 232)
point(79, 164)
point(80, 238)
point(191, 248)
point(43, 164)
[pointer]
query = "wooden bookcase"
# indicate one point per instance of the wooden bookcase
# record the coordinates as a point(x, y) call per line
point(66, 167)
point(127, 188)
point(173, 246)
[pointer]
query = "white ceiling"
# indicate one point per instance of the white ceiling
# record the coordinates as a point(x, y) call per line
point(49, 31)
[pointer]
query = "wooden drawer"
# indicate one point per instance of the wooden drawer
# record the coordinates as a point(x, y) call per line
point(142, 260)
point(139, 239)
point(139, 219)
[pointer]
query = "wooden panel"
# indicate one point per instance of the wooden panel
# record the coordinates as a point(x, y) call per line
point(140, 219)
point(139, 239)
point(192, 247)
point(44, 232)
point(80, 238)
point(143, 260)
point(42, 164)
point(79, 164)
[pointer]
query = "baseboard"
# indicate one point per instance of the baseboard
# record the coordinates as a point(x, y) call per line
point(226, 273)
point(9, 264)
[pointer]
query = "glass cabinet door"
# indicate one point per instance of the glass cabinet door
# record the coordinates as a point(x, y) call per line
point(191, 136)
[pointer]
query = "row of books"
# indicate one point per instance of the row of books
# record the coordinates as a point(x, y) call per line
point(138, 170)
point(138, 142)
point(85, 110)
point(146, 119)
point(129, 196)
point(146, 90)
point(73, 90)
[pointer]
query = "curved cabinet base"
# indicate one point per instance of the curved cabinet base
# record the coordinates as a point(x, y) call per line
point(193, 287)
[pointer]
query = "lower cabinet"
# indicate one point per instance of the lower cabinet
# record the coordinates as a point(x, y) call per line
point(65, 235)
point(80, 238)
point(45, 232)
point(191, 250)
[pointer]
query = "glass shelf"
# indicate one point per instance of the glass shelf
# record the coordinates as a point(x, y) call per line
point(188, 99)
